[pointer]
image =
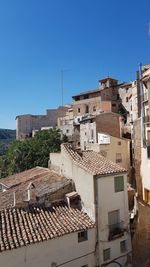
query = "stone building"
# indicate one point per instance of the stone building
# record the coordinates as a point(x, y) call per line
point(113, 148)
point(104, 99)
point(95, 179)
point(26, 124)
point(90, 127)
point(37, 186)
point(145, 131)
point(65, 124)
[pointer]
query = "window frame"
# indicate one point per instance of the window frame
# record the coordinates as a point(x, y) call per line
point(107, 256)
point(123, 246)
point(82, 236)
point(121, 185)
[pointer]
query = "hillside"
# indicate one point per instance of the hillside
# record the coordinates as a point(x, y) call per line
point(6, 136)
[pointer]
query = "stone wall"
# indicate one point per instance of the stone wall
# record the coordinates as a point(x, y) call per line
point(137, 156)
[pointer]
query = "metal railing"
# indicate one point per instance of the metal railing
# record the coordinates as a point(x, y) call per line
point(116, 230)
point(145, 96)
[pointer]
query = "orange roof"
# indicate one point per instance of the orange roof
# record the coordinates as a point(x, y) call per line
point(92, 161)
point(20, 227)
point(44, 180)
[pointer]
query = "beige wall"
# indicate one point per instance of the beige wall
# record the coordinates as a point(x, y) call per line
point(43, 254)
point(110, 151)
point(118, 146)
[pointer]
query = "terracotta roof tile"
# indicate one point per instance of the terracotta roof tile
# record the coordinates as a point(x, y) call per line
point(20, 227)
point(45, 182)
point(92, 161)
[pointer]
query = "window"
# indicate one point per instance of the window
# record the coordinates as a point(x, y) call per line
point(67, 131)
point(82, 236)
point(94, 108)
point(78, 110)
point(118, 158)
point(86, 109)
point(119, 183)
point(113, 105)
point(119, 143)
point(127, 99)
point(123, 246)
point(106, 254)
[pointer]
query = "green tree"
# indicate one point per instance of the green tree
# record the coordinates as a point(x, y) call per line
point(23, 155)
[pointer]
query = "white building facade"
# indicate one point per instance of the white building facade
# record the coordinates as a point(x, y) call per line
point(104, 198)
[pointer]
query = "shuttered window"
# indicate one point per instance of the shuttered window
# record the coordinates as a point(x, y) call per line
point(119, 183)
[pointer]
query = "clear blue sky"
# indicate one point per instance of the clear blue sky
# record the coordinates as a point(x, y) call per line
point(89, 38)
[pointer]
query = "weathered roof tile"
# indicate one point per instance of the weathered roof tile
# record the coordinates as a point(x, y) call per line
point(20, 227)
point(92, 161)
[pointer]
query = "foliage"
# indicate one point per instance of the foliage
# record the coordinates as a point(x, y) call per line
point(23, 155)
point(6, 137)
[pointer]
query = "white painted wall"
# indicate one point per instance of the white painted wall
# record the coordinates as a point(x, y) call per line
point(60, 250)
point(145, 169)
point(85, 134)
point(83, 180)
point(109, 200)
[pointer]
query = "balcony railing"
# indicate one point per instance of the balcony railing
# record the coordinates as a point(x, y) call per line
point(146, 142)
point(116, 230)
point(145, 97)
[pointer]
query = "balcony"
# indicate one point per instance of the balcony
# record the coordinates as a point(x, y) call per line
point(116, 230)
point(145, 97)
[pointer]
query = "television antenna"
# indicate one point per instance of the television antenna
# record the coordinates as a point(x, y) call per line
point(62, 84)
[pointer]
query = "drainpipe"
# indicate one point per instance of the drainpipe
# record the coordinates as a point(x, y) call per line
point(29, 194)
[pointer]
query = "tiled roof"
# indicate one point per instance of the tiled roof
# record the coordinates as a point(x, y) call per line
point(92, 161)
point(44, 180)
point(20, 227)
point(87, 92)
point(24, 176)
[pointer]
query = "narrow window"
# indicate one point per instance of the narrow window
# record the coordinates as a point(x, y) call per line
point(106, 254)
point(86, 109)
point(82, 236)
point(119, 183)
point(78, 110)
point(94, 108)
point(123, 246)
point(118, 158)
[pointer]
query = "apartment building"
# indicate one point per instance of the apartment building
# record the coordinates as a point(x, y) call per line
point(95, 179)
